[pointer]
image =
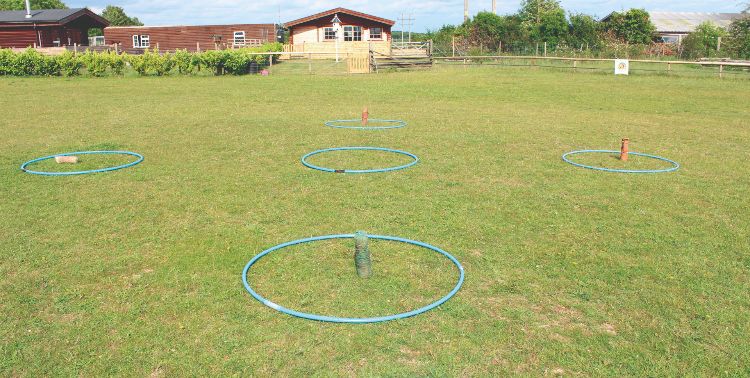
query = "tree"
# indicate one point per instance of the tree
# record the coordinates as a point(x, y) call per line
point(117, 17)
point(703, 41)
point(633, 26)
point(584, 30)
point(532, 11)
point(35, 4)
point(553, 27)
point(739, 37)
point(544, 20)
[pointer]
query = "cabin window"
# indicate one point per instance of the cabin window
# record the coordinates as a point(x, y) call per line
point(376, 33)
point(141, 41)
point(329, 34)
point(352, 33)
point(239, 38)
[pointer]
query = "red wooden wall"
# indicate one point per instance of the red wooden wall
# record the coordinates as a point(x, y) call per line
point(17, 37)
point(22, 37)
point(185, 37)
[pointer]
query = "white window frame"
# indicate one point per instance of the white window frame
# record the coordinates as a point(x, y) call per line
point(332, 32)
point(380, 34)
point(142, 41)
point(239, 38)
point(351, 35)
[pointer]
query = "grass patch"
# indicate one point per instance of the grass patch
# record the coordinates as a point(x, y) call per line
point(137, 271)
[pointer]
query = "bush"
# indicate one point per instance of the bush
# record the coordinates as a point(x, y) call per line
point(6, 61)
point(215, 60)
point(96, 64)
point(633, 26)
point(238, 62)
point(703, 42)
point(185, 62)
point(28, 63)
point(138, 63)
point(739, 37)
point(151, 62)
point(117, 62)
point(31, 62)
point(69, 64)
point(161, 64)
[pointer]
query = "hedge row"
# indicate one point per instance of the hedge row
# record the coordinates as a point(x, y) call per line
point(234, 62)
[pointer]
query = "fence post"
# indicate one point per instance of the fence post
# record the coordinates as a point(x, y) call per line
point(270, 60)
point(75, 48)
point(453, 43)
point(197, 46)
point(721, 70)
point(545, 48)
point(575, 66)
point(500, 47)
point(669, 67)
point(718, 44)
point(537, 49)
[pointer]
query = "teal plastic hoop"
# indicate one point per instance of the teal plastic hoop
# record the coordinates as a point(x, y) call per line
point(334, 319)
point(43, 173)
point(351, 124)
point(415, 159)
point(675, 166)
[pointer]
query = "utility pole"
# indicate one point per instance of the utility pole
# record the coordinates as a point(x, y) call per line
point(466, 10)
point(406, 24)
point(494, 6)
point(411, 23)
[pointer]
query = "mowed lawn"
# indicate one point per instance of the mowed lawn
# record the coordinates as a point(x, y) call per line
point(568, 271)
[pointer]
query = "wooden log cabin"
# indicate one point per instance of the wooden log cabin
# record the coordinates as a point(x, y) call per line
point(191, 38)
point(358, 34)
point(48, 27)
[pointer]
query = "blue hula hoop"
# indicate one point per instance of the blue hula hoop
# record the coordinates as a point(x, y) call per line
point(378, 170)
point(334, 319)
point(675, 166)
point(42, 173)
point(342, 124)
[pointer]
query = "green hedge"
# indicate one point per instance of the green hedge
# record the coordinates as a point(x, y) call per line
point(151, 63)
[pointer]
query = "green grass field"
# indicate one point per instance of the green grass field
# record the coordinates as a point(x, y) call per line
point(568, 271)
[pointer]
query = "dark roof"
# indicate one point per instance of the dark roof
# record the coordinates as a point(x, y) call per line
point(340, 10)
point(48, 16)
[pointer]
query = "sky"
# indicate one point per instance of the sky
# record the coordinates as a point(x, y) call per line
point(427, 14)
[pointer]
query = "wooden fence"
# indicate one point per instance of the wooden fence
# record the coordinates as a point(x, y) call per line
point(574, 61)
point(358, 64)
point(327, 50)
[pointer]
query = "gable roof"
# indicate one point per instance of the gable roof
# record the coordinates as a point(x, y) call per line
point(340, 10)
point(49, 16)
point(686, 22)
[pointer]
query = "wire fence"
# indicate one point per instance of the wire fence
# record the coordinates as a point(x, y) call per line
point(658, 67)
point(312, 63)
point(611, 50)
